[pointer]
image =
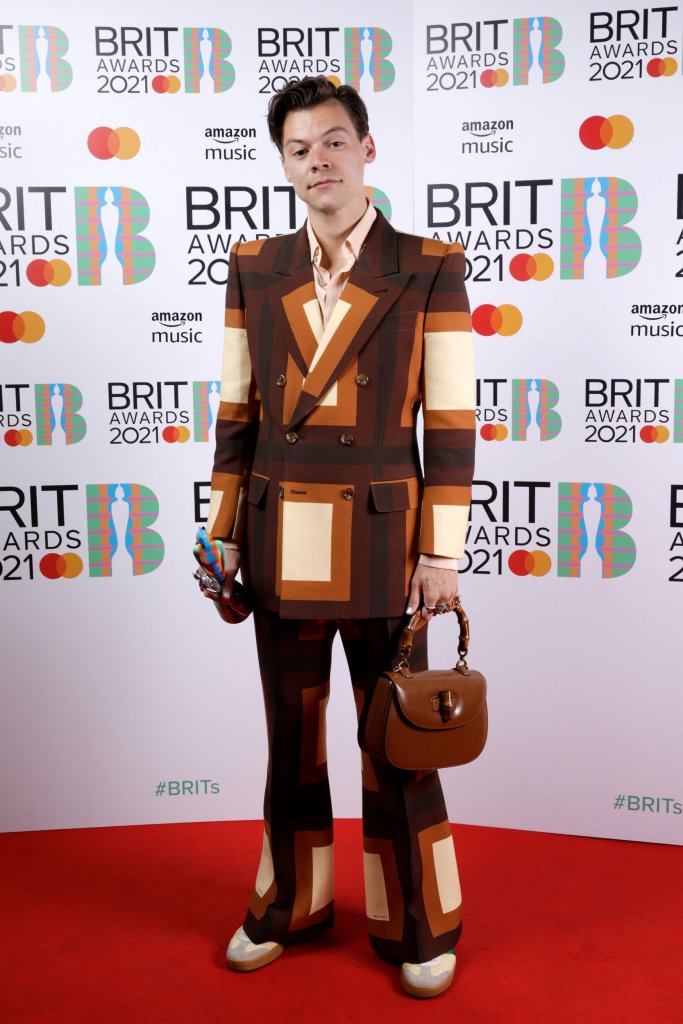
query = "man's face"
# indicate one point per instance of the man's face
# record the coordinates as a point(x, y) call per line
point(323, 157)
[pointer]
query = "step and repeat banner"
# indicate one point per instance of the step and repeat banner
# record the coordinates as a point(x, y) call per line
point(133, 153)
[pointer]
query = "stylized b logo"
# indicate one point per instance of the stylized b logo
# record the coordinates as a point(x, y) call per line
point(42, 48)
point(205, 402)
point(206, 66)
point(590, 520)
point(57, 416)
point(111, 250)
point(595, 241)
point(118, 536)
point(535, 56)
point(533, 402)
point(365, 56)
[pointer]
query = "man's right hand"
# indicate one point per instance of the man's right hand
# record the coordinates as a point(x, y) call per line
point(231, 565)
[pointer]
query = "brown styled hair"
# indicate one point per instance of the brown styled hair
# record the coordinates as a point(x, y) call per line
point(310, 92)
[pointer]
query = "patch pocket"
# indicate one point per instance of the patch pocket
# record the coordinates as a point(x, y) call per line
point(395, 495)
point(258, 485)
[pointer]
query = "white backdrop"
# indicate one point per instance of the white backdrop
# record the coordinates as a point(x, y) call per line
point(547, 143)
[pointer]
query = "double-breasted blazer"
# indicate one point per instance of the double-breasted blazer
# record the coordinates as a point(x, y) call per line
point(317, 471)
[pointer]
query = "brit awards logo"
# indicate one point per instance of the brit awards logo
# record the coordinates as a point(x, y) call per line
point(621, 410)
point(119, 520)
point(43, 531)
point(138, 60)
point(358, 55)
point(591, 536)
point(36, 52)
point(53, 418)
point(506, 227)
point(479, 54)
point(627, 45)
point(173, 411)
point(522, 409)
point(596, 241)
point(110, 246)
point(514, 522)
point(676, 525)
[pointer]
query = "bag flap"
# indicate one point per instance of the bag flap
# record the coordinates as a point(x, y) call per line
point(419, 700)
point(395, 495)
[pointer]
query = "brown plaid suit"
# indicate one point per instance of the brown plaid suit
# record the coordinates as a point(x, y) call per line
point(317, 475)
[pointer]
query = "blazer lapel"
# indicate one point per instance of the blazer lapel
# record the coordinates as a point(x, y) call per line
point(372, 289)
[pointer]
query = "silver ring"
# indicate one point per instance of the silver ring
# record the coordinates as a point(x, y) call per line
point(441, 608)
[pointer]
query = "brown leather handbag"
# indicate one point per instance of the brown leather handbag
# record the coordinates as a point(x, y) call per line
point(423, 720)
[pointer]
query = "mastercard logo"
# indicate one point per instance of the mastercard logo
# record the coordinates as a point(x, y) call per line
point(166, 83)
point(175, 434)
point(615, 132)
point(44, 272)
point(536, 266)
point(28, 327)
point(18, 438)
point(529, 563)
point(505, 320)
point(105, 143)
point(654, 435)
point(8, 83)
point(55, 566)
point(494, 432)
point(662, 67)
point(493, 78)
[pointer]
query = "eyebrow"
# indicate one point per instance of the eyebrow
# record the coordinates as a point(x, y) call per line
point(336, 128)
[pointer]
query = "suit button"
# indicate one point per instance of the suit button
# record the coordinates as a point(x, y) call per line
point(281, 492)
point(281, 381)
point(346, 439)
point(362, 380)
point(347, 494)
point(291, 437)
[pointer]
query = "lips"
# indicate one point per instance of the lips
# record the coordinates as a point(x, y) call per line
point(325, 181)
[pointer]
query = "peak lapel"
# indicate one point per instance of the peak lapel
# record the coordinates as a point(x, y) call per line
point(372, 289)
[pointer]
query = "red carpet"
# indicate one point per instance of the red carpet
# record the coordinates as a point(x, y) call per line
point(130, 924)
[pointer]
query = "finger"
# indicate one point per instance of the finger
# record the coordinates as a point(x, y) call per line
point(226, 591)
point(414, 598)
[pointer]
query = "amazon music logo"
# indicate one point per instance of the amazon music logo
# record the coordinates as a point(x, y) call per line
point(657, 320)
point(174, 328)
point(229, 144)
point(487, 137)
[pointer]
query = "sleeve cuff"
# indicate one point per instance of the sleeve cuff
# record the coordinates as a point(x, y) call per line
point(438, 562)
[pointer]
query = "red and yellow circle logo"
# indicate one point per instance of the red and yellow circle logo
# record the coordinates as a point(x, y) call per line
point(176, 434)
point(493, 432)
point(166, 83)
point(504, 320)
point(654, 434)
point(537, 266)
point(8, 83)
point(494, 78)
point(529, 563)
point(55, 566)
point(662, 67)
point(105, 143)
point(18, 438)
point(28, 327)
point(615, 132)
point(44, 272)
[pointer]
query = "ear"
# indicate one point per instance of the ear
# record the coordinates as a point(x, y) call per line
point(370, 148)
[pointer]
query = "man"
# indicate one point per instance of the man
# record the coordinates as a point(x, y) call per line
point(334, 337)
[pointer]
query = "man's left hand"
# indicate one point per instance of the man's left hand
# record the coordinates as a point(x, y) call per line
point(432, 588)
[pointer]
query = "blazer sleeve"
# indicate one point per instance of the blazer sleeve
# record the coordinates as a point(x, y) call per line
point(238, 418)
point(449, 411)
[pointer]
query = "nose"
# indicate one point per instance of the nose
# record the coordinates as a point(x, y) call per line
point(319, 159)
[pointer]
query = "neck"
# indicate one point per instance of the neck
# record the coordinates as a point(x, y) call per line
point(333, 229)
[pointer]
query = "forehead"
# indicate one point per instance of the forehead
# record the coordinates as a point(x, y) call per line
point(315, 121)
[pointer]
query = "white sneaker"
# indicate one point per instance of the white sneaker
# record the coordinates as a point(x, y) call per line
point(429, 979)
point(245, 955)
